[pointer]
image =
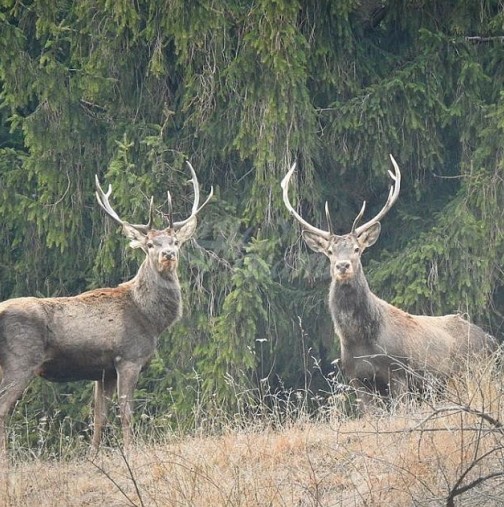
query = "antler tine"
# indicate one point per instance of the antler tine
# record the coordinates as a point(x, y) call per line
point(195, 183)
point(210, 195)
point(358, 217)
point(170, 210)
point(293, 212)
point(328, 217)
point(151, 213)
point(195, 207)
point(145, 228)
point(178, 225)
point(103, 201)
point(392, 197)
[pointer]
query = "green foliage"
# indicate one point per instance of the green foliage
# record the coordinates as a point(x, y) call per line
point(129, 91)
point(242, 322)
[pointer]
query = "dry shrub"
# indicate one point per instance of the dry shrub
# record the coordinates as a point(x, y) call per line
point(444, 451)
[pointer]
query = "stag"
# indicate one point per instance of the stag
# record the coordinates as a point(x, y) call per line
point(107, 335)
point(384, 350)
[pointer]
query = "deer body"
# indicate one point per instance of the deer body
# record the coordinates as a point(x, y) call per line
point(107, 335)
point(81, 337)
point(383, 348)
point(381, 344)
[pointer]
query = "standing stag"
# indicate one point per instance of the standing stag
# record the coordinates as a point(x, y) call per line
point(383, 349)
point(106, 335)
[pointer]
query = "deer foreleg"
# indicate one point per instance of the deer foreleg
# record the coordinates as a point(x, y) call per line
point(103, 392)
point(11, 388)
point(127, 378)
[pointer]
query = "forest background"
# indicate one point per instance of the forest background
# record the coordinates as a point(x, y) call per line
point(130, 90)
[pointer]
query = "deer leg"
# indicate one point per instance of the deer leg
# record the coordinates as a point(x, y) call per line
point(398, 387)
point(11, 388)
point(366, 400)
point(103, 392)
point(126, 381)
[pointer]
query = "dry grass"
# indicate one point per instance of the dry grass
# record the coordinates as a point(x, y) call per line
point(450, 452)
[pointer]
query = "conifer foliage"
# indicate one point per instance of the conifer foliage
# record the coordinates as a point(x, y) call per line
point(130, 90)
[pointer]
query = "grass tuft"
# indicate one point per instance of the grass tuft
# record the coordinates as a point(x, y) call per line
point(446, 449)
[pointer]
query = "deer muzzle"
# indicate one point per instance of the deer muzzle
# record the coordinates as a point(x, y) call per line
point(343, 266)
point(169, 255)
point(343, 270)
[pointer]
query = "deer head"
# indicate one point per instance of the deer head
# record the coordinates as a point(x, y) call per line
point(160, 246)
point(345, 251)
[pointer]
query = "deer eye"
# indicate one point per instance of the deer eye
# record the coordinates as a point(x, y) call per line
point(357, 249)
point(176, 242)
point(330, 251)
point(150, 244)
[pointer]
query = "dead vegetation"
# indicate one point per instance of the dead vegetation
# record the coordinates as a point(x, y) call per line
point(448, 451)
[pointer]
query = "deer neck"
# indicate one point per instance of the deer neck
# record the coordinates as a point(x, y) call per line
point(158, 297)
point(355, 310)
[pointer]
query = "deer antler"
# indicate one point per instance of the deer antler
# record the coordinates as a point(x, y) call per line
point(103, 201)
point(295, 214)
point(392, 197)
point(169, 215)
point(358, 217)
point(195, 209)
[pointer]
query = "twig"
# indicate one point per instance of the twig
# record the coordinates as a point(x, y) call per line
point(458, 490)
point(131, 474)
point(114, 482)
point(463, 408)
point(469, 486)
point(479, 38)
point(401, 431)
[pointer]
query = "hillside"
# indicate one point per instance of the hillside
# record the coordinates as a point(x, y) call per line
point(445, 452)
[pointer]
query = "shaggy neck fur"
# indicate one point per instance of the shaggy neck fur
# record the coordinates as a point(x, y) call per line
point(158, 296)
point(355, 310)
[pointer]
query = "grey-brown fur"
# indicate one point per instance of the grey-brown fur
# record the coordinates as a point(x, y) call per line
point(384, 349)
point(107, 335)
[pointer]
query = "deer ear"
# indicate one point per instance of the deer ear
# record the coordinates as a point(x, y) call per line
point(315, 242)
point(136, 236)
point(187, 230)
point(370, 235)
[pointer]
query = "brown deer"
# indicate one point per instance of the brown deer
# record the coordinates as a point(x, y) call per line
point(383, 349)
point(107, 335)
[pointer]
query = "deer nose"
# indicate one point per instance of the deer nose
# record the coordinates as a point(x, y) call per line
point(343, 266)
point(169, 255)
